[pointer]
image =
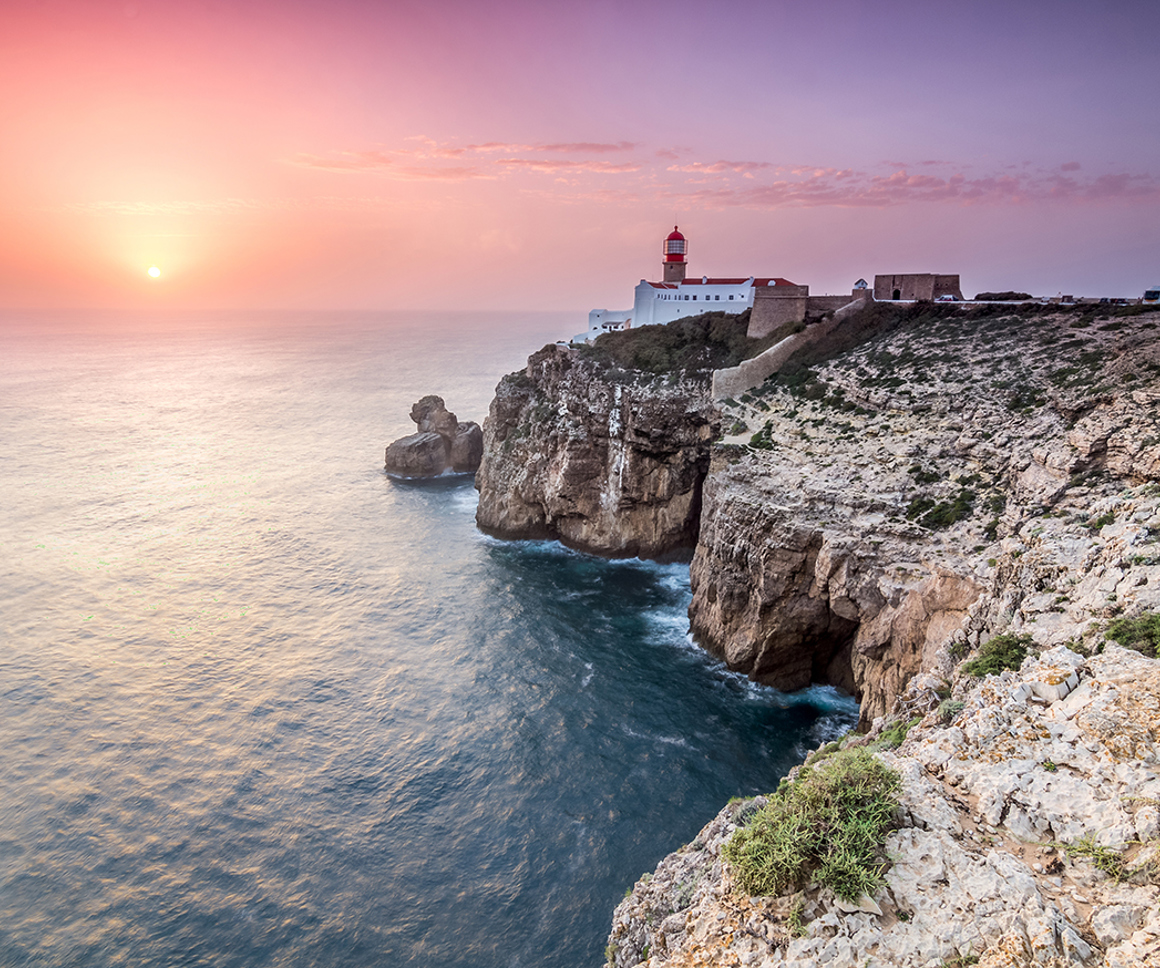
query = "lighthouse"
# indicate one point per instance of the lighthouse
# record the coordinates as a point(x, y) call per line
point(676, 250)
point(677, 297)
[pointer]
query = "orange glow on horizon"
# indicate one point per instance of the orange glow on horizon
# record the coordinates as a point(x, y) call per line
point(519, 156)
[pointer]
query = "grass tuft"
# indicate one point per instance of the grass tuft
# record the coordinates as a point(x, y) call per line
point(1103, 858)
point(829, 824)
point(1003, 652)
point(1141, 633)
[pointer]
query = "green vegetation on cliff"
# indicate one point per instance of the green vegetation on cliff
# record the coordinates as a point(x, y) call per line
point(1003, 652)
point(1141, 632)
point(706, 342)
point(827, 825)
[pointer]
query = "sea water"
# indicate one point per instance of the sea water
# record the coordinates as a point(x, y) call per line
point(261, 705)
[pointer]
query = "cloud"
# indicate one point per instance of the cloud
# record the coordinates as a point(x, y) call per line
point(847, 188)
point(570, 147)
point(718, 167)
point(348, 162)
point(753, 182)
point(184, 207)
point(552, 167)
point(423, 161)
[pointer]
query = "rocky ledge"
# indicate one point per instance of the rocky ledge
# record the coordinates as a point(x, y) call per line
point(1026, 835)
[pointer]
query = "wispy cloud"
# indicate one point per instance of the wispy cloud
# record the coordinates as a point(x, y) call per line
point(425, 160)
point(552, 166)
point(569, 147)
point(220, 206)
point(747, 168)
point(847, 188)
point(749, 182)
point(349, 162)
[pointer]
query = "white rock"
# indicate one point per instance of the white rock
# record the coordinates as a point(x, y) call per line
point(1116, 922)
point(865, 905)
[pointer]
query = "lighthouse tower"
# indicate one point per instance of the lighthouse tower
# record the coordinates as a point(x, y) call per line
point(676, 249)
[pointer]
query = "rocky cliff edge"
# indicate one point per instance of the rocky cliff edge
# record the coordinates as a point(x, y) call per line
point(870, 516)
point(603, 460)
point(1026, 835)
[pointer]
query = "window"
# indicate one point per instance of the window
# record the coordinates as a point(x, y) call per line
point(694, 299)
point(718, 298)
point(730, 297)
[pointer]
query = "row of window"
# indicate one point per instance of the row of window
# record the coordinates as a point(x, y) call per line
point(666, 295)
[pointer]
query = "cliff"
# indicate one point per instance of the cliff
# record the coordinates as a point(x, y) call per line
point(911, 485)
point(605, 460)
point(1026, 835)
point(926, 485)
point(879, 513)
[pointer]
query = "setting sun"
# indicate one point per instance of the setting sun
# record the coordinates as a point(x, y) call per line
point(154, 271)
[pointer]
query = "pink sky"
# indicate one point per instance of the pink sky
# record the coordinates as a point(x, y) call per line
point(532, 155)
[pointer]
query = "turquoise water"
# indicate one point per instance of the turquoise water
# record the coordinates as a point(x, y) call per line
point(262, 706)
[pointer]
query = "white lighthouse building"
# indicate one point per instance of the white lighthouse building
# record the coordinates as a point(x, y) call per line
point(676, 297)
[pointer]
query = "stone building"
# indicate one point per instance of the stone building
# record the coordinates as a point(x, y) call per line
point(910, 286)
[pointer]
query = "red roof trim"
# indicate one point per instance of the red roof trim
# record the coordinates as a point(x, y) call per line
point(763, 281)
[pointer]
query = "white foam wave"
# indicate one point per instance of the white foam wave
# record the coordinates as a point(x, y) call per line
point(653, 738)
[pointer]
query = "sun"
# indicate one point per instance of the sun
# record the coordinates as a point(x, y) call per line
point(154, 271)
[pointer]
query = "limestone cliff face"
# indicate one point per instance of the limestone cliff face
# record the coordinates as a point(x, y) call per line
point(898, 505)
point(922, 489)
point(607, 462)
point(793, 593)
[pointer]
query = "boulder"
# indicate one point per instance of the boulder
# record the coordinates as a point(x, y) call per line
point(430, 414)
point(467, 448)
point(418, 455)
point(441, 444)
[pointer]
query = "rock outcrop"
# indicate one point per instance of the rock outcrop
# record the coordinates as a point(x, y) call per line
point(895, 497)
point(869, 520)
point(603, 460)
point(1027, 836)
point(900, 504)
point(441, 445)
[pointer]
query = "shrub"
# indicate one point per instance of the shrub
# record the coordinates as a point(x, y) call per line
point(1009, 295)
point(829, 825)
point(761, 440)
point(1003, 652)
point(893, 734)
point(934, 514)
point(1108, 517)
point(1141, 633)
point(948, 709)
point(922, 476)
point(709, 341)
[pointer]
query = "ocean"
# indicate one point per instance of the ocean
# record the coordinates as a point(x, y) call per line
point(261, 705)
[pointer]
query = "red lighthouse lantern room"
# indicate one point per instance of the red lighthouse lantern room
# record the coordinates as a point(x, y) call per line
point(676, 248)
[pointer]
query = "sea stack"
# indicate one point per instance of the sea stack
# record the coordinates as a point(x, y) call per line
point(441, 444)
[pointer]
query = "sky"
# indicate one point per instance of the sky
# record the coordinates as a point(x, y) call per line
point(383, 155)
